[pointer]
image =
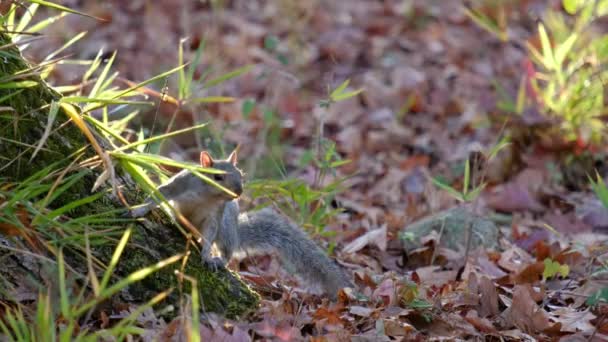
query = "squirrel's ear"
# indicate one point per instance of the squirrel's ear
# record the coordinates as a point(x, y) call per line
point(206, 160)
point(232, 158)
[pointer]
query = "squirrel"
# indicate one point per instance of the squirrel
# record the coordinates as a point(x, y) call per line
point(215, 213)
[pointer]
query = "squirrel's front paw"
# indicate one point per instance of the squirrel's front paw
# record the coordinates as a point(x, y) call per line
point(137, 212)
point(214, 263)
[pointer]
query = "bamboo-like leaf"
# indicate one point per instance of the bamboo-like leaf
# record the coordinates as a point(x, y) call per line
point(189, 75)
point(450, 190)
point(79, 122)
point(344, 96)
point(520, 103)
point(115, 258)
point(548, 57)
point(227, 76)
point(27, 17)
point(467, 177)
point(63, 8)
point(160, 137)
point(213, 99)
point(63, 292)
point(18, 84)
point(65, 46)
point(104, 73)
point(93, 67)
point(73, 205)
point(151, 80)
point(600, 189)
point(504, 142)
point(84, 99)
point(45, 23)
point(340, 88)
point(564, 48)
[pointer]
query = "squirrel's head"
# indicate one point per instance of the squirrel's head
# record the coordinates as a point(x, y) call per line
point(232, 179)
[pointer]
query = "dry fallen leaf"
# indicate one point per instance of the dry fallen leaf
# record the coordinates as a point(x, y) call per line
point(573, 320)
point(488, 299)
point(375, 237)
point(524, 313)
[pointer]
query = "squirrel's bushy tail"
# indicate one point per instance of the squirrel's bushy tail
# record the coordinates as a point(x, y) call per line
point(266, 228)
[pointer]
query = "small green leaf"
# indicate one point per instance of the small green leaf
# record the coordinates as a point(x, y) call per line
point(571, 6)
point(553, 268)
point(450, 190)
point(504, 142)
point(270, 43)
point(247, 107)
point(340, 89)
point(564, 48)
point(344, 96)
point(600, 189)
point(600, 296)
point(548, 58)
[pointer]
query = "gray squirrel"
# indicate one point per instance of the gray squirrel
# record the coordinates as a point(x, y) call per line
point(215, 213)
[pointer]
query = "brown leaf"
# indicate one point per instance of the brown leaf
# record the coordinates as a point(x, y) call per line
point(360, 311)
point(386, 291)
point(488, 299)
point(375, 237)
point(524, 313)
point(573, 320)
point(514, 197)
point(394, 327)
point(431, 276)
point(530, 274)
point(331, 315)
point(482, 324)
point(566, 223)
point(283, 330)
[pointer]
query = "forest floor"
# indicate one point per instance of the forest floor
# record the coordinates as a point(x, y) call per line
point(430, 77)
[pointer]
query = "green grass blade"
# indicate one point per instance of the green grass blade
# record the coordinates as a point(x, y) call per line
point(27, 17)
point(115, 258)
point(212, 99)
point(151, 80)
point(18, 84)
point(227, 76)
point(102, 76)
point(74, 204)
point(62, 8)
point(63, 292)
point(45, 23)
point(160, 137)
point(65, 46)
point(130, 279)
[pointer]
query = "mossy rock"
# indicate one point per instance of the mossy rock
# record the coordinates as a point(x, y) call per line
point(451, 226)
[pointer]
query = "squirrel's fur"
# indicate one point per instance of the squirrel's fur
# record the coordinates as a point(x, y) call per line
point(216, 214)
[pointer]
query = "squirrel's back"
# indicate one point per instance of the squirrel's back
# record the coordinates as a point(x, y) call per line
point(266, 228)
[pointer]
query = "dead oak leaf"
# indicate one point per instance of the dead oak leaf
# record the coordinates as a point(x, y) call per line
point(375, 237)
point(488, 299)
point(573, 320)
point(482, 324)
point(361, 311)
point(524, 313)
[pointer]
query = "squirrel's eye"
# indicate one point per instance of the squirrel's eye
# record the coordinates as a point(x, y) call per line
point(218, 177)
